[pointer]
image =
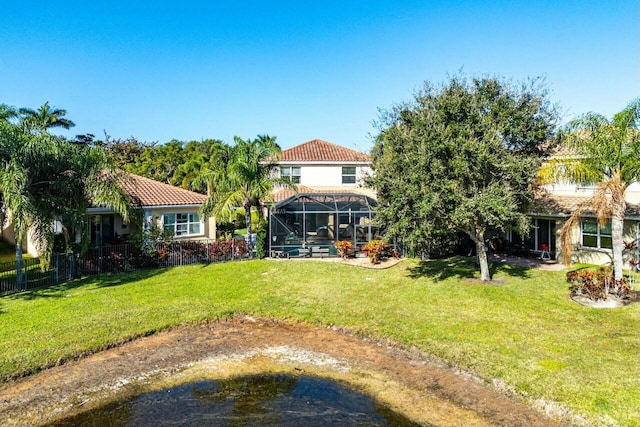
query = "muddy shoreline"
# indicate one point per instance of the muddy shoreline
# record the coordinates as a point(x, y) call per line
point(421, 387)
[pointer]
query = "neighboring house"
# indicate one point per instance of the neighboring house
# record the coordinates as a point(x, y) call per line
point(330, 203)
point(167, 206)
point(591, 242)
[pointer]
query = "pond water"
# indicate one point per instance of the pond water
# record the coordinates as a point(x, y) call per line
point(262, 400)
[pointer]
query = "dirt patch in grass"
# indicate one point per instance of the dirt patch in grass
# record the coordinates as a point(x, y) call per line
point(492, 282)
point(612, 301)
point(363, 262)
point(410, 382)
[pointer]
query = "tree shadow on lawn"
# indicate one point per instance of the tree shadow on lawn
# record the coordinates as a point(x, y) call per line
point(100, 281)
point(463, 268)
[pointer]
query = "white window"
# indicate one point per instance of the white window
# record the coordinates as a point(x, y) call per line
point(349, 175)
point(291, 172)
point(182, 224)
point(596, 236)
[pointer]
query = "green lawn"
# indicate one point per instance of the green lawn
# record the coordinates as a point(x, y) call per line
point(526, 332)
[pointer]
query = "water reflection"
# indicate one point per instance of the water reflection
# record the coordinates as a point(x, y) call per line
point(264, 400)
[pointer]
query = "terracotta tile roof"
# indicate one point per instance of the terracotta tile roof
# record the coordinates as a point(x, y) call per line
point(318, 150)
point(153, 193)
point(285, 193)
point(553, 204)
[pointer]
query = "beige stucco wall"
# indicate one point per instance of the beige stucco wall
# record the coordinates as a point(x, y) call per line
point(208, 227)
point(8, 235)
point(327, 174)
point(632, 194)
point(7, 230)
point(585, 255)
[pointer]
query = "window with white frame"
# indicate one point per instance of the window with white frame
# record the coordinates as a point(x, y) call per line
point(292, 173)
point(348, 174)
point(595, 235)
point(182, 224)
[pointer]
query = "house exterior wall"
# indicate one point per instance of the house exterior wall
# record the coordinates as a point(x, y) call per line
point(9, 236)
point(327, 175)
point(7, 230)
point(588, 255)
point(207, 227)
point(632, 193)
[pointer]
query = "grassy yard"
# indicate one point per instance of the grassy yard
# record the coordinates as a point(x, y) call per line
point(525, 332)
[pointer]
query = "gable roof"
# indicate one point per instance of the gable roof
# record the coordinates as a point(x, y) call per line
point(318, 150)
point(154, 193)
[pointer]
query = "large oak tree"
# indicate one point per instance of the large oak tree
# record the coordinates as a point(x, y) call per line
point(461, 157)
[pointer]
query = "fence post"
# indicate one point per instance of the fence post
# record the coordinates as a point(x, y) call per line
point(25, 279)
point(72, 264)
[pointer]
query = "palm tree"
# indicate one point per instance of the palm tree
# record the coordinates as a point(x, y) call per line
point(245, 180)
point(604, 153)
point(26, 161)
point(45, 118)
point(11, 184)
point(7, 113)
point(86, 177)
point(45, 178)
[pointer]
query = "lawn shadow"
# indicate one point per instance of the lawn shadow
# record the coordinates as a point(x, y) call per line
point(463, 268)
point(509, 269)
point(100, 281)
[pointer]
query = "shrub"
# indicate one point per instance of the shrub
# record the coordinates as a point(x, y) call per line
point(376, 250)
point(261, 244)
point(344, 247)
point(598, 284)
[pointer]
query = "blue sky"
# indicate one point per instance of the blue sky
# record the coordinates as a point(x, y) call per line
point(300, 70)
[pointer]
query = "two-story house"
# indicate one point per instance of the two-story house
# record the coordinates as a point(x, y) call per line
point(330, 204)
point(590, 241)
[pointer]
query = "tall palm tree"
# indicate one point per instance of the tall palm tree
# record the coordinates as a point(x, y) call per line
point(246, 179)
point(45, 118)
point(11, 185)
point(604, 153)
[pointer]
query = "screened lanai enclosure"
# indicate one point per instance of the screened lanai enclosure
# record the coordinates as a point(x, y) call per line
point(310, 224)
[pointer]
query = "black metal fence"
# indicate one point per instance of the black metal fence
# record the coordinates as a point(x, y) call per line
point(119, 259)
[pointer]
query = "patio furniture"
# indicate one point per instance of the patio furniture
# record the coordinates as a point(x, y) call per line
point(544, 252)
point(319, 251)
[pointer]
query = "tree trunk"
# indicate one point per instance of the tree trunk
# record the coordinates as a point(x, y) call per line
point(247, 218)
point(18, 265)
point(617, 223)
point(485, 274)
